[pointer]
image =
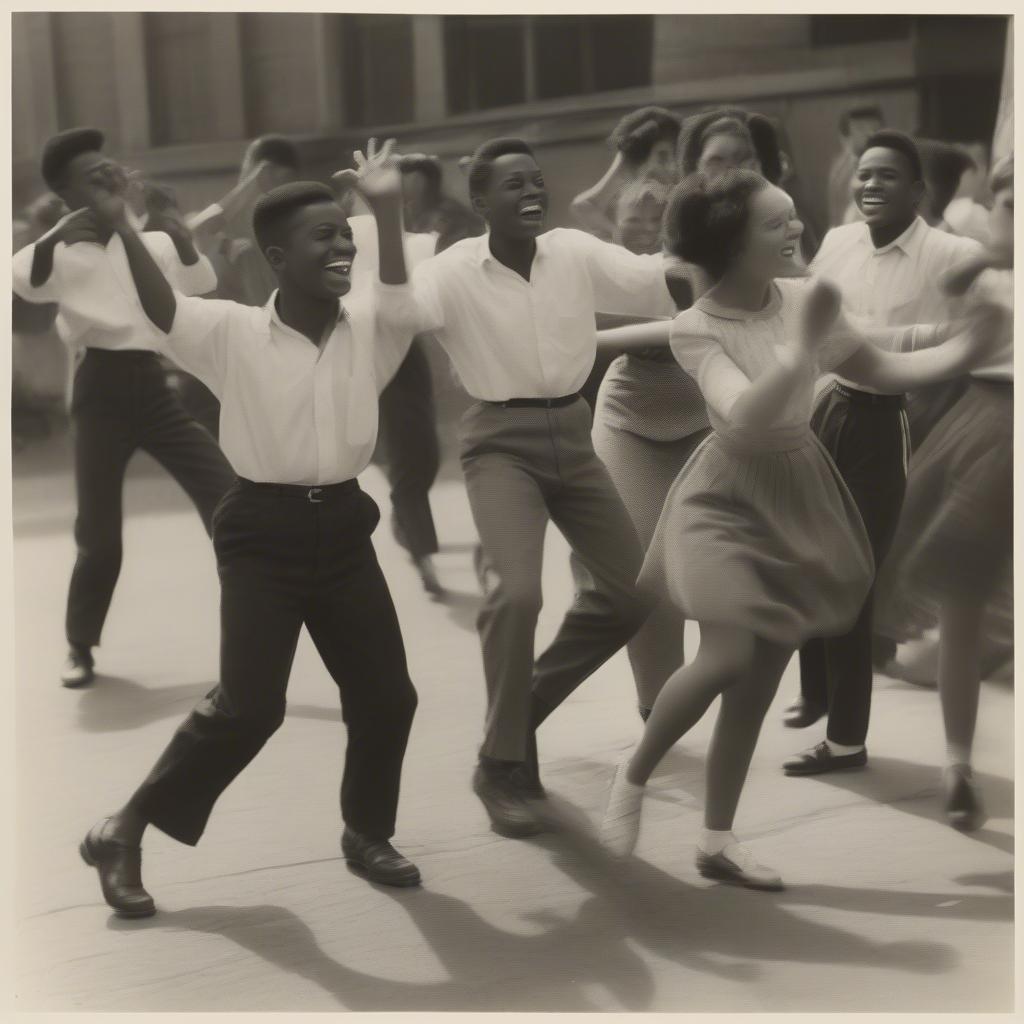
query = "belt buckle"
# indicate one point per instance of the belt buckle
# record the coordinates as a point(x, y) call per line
point(311, 496)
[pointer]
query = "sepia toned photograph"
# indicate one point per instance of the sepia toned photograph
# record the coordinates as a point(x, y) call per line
point(512, 512)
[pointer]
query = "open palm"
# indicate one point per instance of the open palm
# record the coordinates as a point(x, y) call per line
point(376, 175)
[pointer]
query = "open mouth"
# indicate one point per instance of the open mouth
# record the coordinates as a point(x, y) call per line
point(532, 212)
point(339, 268)
point(789, 251)
point(872, 202)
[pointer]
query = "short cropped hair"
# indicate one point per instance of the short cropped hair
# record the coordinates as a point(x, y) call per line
point(707, 217)
point(273, 209)
point(900, 142)
point(861, 113)
point(485, 155)
point(429, 167)
point(62, 148)
point(944, 166)
point(1002, 174)
point(639, 131)
point(756, 128)
point(275, 149)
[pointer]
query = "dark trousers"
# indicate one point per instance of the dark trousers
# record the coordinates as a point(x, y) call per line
point(285, 562)
point(411, 451)
point(121, 403)
point(868, 439)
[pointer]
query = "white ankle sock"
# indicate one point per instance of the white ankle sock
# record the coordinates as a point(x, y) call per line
point(712, 842)
point(841, 748)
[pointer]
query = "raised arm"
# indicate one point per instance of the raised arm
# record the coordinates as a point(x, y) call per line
point(154, 292)
point(217, 215)
point(896, 372)
point(588, 208)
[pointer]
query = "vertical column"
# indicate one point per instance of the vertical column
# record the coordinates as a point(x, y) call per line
point(429, 93)
point(326, 51)
point(129, 38)
point(227, 87)
point(33, 77)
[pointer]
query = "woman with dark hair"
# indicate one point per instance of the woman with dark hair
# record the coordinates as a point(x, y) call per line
point(759, 541)
point(644, 142)
point(650, 414)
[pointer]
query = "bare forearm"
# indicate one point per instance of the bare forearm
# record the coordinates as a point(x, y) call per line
point(759, 404)
point(896, 372)
point(42, 261)
point(390, 241)
point(634, 336)
point(155, 293)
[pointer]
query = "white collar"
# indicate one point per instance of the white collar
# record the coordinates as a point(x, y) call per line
point(908, 243)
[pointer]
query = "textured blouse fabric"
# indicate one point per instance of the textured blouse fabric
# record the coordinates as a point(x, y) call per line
point(724, 349)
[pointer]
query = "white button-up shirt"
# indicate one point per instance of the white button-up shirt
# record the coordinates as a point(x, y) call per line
point(512, 338)
point(291, 412)
point(93, 286)
point(896, 285)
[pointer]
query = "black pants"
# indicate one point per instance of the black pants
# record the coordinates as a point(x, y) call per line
point(122, 403)
point(411, 451)
point(868, 438)
point(284, 562)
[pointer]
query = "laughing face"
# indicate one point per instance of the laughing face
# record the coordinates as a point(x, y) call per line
point(515, 202)
point(771, 245)
point(317, 251)
point(884, 188)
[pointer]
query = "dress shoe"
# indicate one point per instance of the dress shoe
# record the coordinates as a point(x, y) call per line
point(820, 759)
point(428, 576)
point(802, 713)
point(78, 670)
point(378, 860)
point(964, 809)
point(500, 788)
point(120, 870)
point(736, 865)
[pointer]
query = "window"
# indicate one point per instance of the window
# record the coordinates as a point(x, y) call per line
point(846, 29)
point(498, 61)
point(178, 52)
point(83, 59)
point(378, 68)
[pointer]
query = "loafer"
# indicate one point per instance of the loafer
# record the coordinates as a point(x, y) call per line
point(736, 865)
point(964, 809)
point(78, 670)
point(120, 870)
point(500, 789)
point(378, 860)
point(820, 759)
point(802, 713)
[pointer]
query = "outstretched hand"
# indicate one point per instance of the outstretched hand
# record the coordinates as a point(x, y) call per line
point(820, 312)
point(376, 176)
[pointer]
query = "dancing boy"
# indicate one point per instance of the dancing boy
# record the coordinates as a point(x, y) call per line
point(121, 401)
point(298, 385)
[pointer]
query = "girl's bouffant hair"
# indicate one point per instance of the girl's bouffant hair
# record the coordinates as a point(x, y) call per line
point(706, 218)
point(638, 132)
point(757, 128)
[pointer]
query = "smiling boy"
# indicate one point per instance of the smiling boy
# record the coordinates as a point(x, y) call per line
point(298, 385)
point(515, 311)
point(889, 268)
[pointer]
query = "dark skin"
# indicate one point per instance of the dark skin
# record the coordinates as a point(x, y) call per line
point(84, 177)
point(515, 206)
point(887, 193)
point(312, 255)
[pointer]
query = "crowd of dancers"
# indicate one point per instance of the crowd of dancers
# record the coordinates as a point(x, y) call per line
point(787, 433)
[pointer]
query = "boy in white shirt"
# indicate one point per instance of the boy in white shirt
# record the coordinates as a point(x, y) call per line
point(121, 401)
point(298, 382)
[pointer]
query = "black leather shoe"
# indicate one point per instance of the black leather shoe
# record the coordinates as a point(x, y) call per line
point(964, 810)
point(500, 788)
point(78, 670)
point(820, 759)
point(120, 870)
point(802, 713)
point(378, 860)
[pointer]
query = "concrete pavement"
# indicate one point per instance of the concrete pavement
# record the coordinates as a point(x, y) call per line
point(887, 909)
